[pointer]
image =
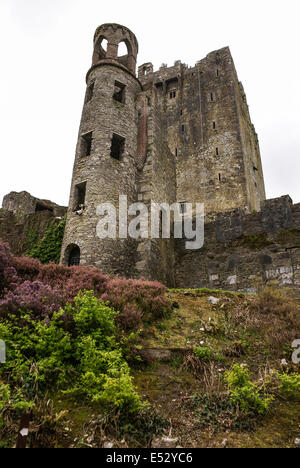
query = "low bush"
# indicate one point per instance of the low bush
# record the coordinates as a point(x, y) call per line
point(289, 384)
point(85, 360)
point(204, 354)
point(28, 284)
point(250, 397)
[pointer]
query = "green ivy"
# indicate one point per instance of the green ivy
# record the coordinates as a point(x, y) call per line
point(49, 247)
point(32, 235)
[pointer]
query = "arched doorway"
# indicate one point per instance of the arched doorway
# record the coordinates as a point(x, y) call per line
point(74, 256)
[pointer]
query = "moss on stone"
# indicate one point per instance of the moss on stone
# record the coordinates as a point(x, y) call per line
point(257, 242)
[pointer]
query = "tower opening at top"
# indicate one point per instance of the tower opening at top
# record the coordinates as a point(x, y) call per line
point(116, 43)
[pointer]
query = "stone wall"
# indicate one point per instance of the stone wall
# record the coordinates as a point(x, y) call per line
point(240, 248)
point(24, 220)
point(207, 126)
point(22, 204)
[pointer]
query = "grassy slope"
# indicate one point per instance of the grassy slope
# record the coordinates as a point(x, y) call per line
point(170, 385)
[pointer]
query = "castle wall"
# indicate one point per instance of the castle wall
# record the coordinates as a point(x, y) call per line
point(22, 204)
point(207, 125)
point(240, 248)
point(157, 183)
point(23, 231)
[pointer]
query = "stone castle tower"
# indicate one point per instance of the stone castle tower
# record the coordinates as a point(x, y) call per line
point(178, 134)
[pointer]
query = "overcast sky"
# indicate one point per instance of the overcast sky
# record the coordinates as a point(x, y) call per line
point(46, 50)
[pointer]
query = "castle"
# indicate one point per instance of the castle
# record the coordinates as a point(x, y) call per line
point(179, 134)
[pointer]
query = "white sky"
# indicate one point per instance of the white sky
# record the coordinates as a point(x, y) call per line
point(46, 50)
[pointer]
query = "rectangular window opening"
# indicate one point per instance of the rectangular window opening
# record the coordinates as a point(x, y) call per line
point(90, 92)
point(182, 128)
point(117, 147)
point(176, 152)
point(212, 97)
point(86, 144)
point(220, 177)
point(217, 73)
point(217, 151)
point(80, 194)
point(183, 208)
point(173, 94)
point(119, 92)
point(214, 125)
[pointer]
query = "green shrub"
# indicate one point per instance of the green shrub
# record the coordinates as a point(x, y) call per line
point(204, 354)
point(250, 397)
point(289, 384)
point(77, 352)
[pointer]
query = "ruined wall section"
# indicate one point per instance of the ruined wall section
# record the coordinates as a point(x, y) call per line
point(22, 204)
point(240, 248)
point(24, 232)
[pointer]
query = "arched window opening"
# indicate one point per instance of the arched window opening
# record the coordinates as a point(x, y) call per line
point(123, 49)
point(104, 44)
point(100, 49)
point(74, 256)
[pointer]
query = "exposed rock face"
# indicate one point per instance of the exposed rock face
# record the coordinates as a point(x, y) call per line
point(24, 220)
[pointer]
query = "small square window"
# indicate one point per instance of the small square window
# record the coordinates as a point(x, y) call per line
point(86, 144)
point(90, 93)
point(117, 147)
point(119, 92)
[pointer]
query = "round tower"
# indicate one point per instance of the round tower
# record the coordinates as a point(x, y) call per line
point(105, 161)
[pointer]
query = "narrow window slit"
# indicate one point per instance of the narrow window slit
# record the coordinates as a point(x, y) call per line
point(86, 144)
point(80, 195)
point(117, 147)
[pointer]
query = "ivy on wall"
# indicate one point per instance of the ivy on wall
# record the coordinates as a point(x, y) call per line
point(48, 248)
point(32, 235)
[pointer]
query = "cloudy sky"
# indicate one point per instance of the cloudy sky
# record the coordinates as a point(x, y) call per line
point(46, 49)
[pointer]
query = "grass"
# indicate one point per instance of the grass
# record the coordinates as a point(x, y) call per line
point(187, 395)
